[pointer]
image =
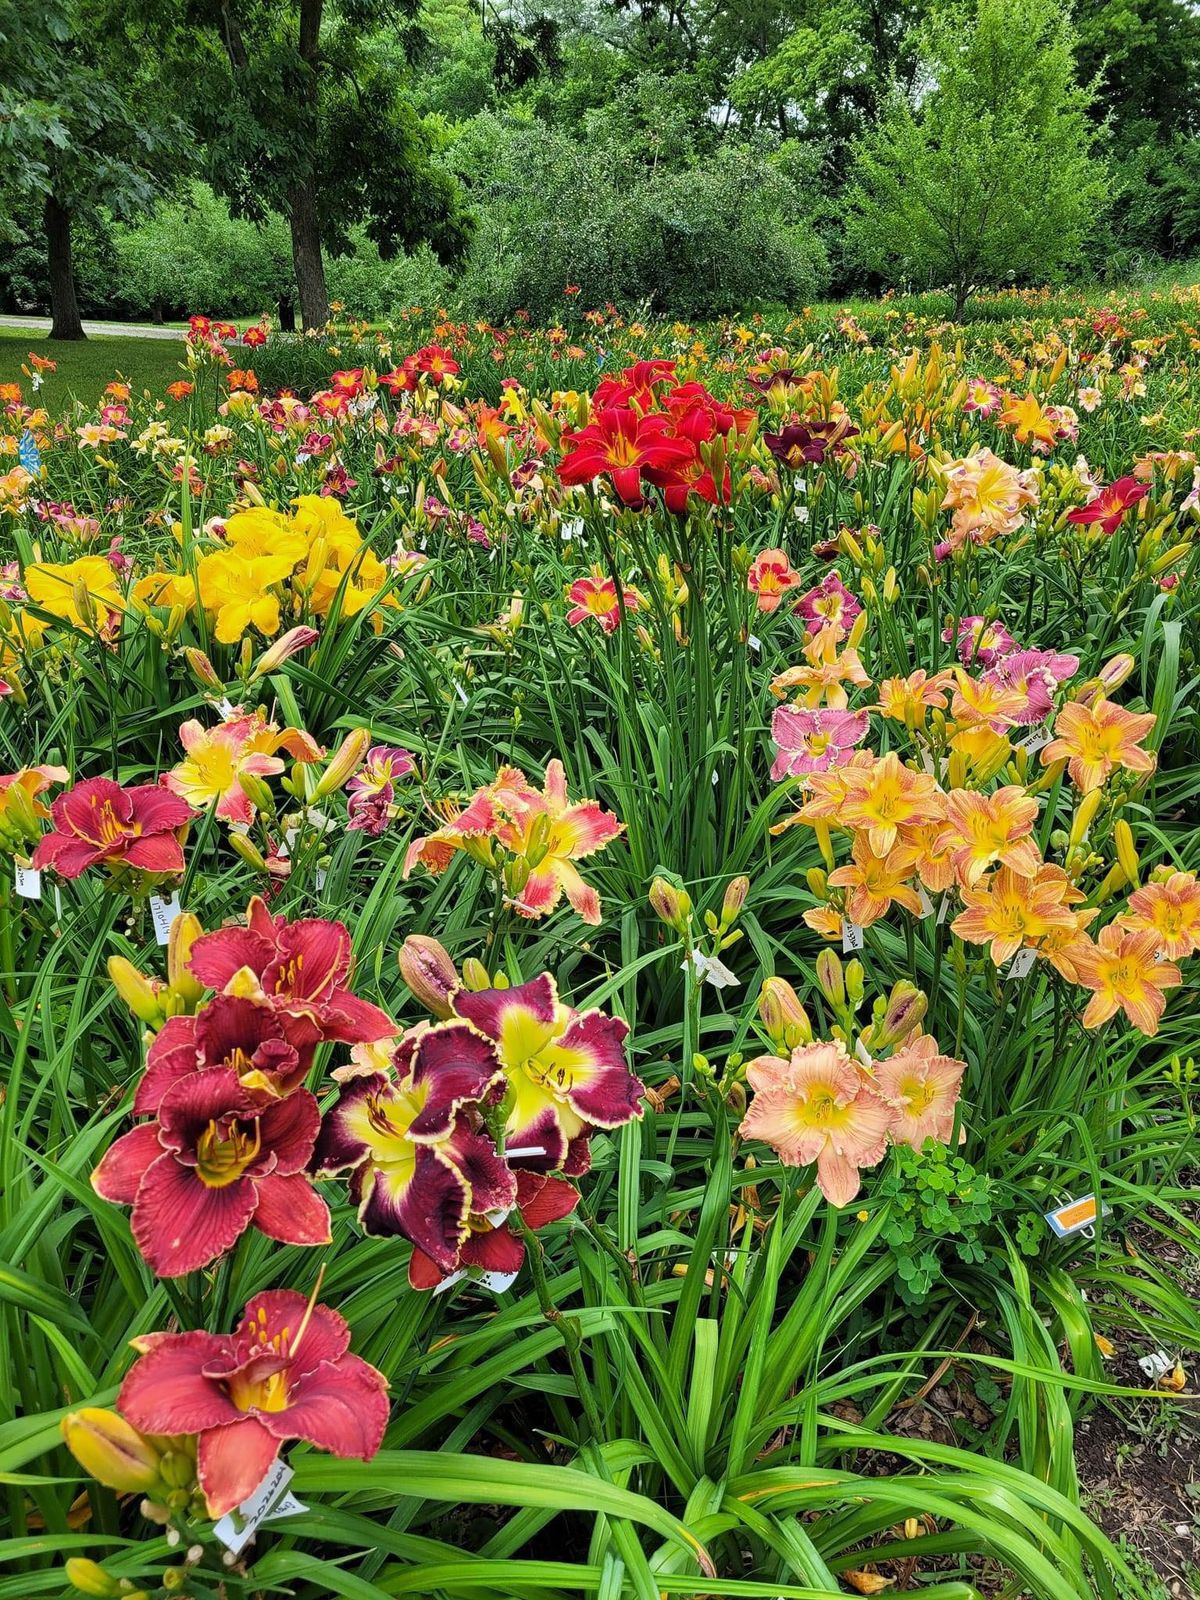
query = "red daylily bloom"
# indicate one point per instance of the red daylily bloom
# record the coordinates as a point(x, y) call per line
point(269, 1050)
point(302, 968)
point(637, 386)
point(214, 1162)
point(1108, 508)
point(285, 1374)
point(254, 337)
point(621, 444)
point(493, 1244)
point(98, 820)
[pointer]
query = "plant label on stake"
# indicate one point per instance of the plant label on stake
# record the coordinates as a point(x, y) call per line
point(1076, 1216)
point(270, 1500)
point(926, 902)
point(1021, 964)
point(852, 938)
point(28, 882)
point(163, 912)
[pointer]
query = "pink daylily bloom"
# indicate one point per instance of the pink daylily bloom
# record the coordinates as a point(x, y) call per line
point(830, 604)
point(1037, 675)
point(922, 1086)
point(372, 790)
point(214, 1162)
point(99, 821)
point(818, 1106)
point(285, 1374)
point(814, 740)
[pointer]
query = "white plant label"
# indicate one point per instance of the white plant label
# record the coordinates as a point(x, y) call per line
point(852, 938)
point(755, 644)
point(163, 912)
point(1035, 742)
point(943, 909)
point(926, 902)
point(28, 882)
point(1156, 1365)
point(271, 1499)
point(1021, 964)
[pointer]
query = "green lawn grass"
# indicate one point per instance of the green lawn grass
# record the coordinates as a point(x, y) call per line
point(85, 366)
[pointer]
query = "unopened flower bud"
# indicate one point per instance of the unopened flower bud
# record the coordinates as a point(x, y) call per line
point(905, 1009)
point(735, 899)
point(818, 882)
point(344, 762)
point(427, 969)
point(1126, 853)
point(84, 604)
point(90, 1578)
point(113, 1451)
point(202, 669)
point(284, 648)
point(258, 791)
point(784, 1018)
point(185, 930)
point(245, 847)
point(140, 994)
point(539, 840)
point(831, 978)
point(854, 983)
point(475, 975)
point(1115, 671)
point(1085, 815)
point(672, 904)
point(178, 1468)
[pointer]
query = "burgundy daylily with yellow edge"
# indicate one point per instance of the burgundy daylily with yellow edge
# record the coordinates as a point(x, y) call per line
point(418, 1166)
point(567, 1071)
point(287, 1373)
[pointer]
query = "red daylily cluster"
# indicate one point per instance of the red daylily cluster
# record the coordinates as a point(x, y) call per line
point(648, 430)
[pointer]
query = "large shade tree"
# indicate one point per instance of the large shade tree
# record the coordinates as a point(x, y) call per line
point(82, 127)
point(298, 109)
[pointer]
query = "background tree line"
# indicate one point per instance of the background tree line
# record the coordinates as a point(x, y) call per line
point(694, 156)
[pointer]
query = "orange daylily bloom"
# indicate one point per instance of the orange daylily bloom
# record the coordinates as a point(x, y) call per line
point(1095, 739)
point(933, 855)
point(887, 796)
point(1171, 908)
point(908, 699)
point(984, 829)
point(1008, 911)
point(1124, 973)
point(876, 881)
point(1028, 421)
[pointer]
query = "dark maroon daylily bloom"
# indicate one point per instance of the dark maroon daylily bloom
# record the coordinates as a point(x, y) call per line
point(269, 1050)
point(1108, 508)
point(302, 968)
point(419, 1168)
point(214, 1162)
point(285, 1374)
point(98, 820)
point(807, 442)
point(492, 1243)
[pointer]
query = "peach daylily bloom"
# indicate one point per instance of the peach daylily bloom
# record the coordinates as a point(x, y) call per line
point(933, 859)
point(770, 577)
point(818, 1106)
point(888, 795)
point(907, 700)
point(827, 671)
point(922, 1086)
point(1096, 739)
point(1171, 907)
point(1124, 973)
point(984, 829)
point(1008, 911)
point(876, 881)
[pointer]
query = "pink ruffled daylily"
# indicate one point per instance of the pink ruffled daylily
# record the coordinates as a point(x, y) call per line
point(814, 740)
point(830, 604)
point(922, 1086)
point(372, 790)
point(301, 968)
point(1037, 675)
point(566, 1070)
point(285, 1374)
point(818, 1106)
point(98, 820)
point(217, 759)
point(419, 1167)
point(214, 1162)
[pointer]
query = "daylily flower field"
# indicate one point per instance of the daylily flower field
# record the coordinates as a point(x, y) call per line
point(598, 937)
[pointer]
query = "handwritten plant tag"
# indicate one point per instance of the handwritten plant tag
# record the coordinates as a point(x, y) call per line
point(1156, 1365)
point(1073, 1216)
point(163, 912)
point(270, 1500)
point(1021, 964)
point(28, 882)
point(852, 938)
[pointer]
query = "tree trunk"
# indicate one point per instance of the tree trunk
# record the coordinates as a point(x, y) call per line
point(306, 256)
point(64, 306)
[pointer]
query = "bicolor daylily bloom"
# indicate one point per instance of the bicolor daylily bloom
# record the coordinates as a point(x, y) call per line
point(595, 598)
point(493, 1243)
point(217, 759)
point(567, 1070)
point(818, 1106)
point(542, 830)
point(1169, 906)
point(886, 796)
point(302, 968)
point(983, 829)
point(922, 1086)
point(214, 1162)
point(814, 740)
point(287, 1373)
point(1096, 739)
point(770, 577)
point(372, 790)
point(829, 605)
point(979, 641)
point(418, 1167)
point(99, 821)
point(987, 496)
point(908, 700)
point(1036, 675)
point(21, 808)
point(1124, 972)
